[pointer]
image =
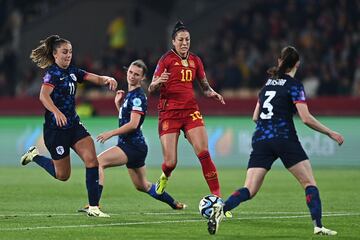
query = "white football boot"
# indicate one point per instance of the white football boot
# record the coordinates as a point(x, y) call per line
point(324, 231)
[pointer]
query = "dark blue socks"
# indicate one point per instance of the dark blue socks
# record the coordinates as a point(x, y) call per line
point(236, 198)
point(165, 197)
point(314, 204)
point(92, 185)
point(45, 163)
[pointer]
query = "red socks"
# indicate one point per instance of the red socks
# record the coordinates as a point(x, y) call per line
point(167, 169)
point(209, 172)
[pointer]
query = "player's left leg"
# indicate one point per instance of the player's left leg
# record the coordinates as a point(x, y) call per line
point(304, 174)
point(85, 148)
point(138, 177)
point(111, 157)
point(199, 140)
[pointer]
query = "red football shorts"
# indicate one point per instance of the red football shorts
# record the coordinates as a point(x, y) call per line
point(172, 121)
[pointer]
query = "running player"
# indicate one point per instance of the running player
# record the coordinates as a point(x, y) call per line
point(178, 110)
point(131, 148)
point(62, 128)
point(275, 137)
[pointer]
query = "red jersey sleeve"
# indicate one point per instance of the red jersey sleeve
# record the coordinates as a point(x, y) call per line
point(200, 72)
point(160, 67)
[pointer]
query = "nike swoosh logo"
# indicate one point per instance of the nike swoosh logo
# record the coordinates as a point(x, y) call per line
point(62, 78)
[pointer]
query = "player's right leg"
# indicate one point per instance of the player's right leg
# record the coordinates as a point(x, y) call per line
point(138, 177)
point(85, 148)
point(169, 143)
point(215, 218)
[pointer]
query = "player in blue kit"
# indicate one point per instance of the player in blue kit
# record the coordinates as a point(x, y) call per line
point(131, 149)
point(62, 128)
point(275, 137)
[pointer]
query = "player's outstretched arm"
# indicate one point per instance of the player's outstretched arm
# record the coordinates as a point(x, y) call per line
point(313, 123)
point(209, 92)
point(126, 128)
point(102, 80)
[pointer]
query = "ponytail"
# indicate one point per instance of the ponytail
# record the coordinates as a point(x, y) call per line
point(43, 54)
point(289, 57)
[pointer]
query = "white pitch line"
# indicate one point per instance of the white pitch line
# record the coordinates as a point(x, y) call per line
point(168, 221)
point(151, 213)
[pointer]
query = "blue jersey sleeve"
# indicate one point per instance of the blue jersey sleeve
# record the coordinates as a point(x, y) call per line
point(80, 74)
point(49, 79)
point(138, 105)
point(297, 93)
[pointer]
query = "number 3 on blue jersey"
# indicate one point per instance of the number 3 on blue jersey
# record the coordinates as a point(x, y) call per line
point(270, 95)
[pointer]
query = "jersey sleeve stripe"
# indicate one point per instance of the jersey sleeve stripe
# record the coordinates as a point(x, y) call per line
point(139, 112)
point(300, 101)
point(49, 84)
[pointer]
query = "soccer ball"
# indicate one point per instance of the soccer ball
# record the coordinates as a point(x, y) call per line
point(206, 205)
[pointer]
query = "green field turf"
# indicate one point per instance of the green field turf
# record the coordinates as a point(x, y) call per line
point(34, 206)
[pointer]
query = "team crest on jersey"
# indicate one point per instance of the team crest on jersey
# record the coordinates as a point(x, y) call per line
point(136, 102)
point(73, 77)
point(192, 63)
point(60, 150)
point(184, 62)
point(47, 78)
point(165, 125)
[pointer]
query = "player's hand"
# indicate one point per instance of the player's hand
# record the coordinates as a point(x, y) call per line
point(111, 82)
point(103, 137)
point(163, 77)
point(215, 95)
point(119, 96)
point(337, 137)
point(60, 119)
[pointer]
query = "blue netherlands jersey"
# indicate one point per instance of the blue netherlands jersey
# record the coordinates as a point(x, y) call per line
point(135, 101)
point(277, 101)
point(64, 82)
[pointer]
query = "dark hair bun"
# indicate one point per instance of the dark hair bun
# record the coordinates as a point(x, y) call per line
point(178, 27)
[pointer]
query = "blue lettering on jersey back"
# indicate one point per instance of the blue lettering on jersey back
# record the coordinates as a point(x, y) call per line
point(64, 82)
point(277, 106)
point(135, 100)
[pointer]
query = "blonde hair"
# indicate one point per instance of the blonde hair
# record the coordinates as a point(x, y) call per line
point(141, 64)
point(43, 54)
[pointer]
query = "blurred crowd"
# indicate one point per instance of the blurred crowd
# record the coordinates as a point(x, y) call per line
point(237, 52)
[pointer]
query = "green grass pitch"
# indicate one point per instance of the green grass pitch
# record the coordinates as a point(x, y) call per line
point(35, 206)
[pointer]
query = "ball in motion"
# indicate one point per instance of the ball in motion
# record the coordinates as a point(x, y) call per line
point(206, 205)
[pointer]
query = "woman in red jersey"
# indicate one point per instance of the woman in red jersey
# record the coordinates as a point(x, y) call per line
point(178, 110)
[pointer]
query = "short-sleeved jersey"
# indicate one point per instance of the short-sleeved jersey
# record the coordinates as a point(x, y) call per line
point(64, 82)
point(135, 101)
point(178, 92)
point(277, 101)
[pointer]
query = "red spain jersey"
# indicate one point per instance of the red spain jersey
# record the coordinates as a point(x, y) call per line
point(178, 92)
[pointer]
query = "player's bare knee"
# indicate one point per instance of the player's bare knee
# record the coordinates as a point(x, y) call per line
point(170, 163)
point(62, 176)
point(140, 188)
point(91, 162)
